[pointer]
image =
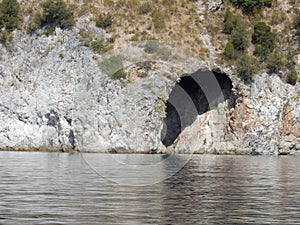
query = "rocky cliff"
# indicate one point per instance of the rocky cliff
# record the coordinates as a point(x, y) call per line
point(56, 95)
point(264, 120)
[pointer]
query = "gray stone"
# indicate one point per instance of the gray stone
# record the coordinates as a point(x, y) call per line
point(54, 96)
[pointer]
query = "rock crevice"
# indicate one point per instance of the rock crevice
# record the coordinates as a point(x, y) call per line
point(194, 95)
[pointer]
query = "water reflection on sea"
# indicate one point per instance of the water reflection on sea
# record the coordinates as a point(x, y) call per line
point(58, 188)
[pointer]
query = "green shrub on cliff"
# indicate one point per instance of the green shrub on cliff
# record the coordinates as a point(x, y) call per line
point(160, 106)
point(229, 22)
point(261, 52)
point(275, 62)
point(9, 11)
point(56, 13)
point(263, 35)
point(104, 20)
point(230, 52)
point(292, 76)
point(247, 66)
point(264, 40)
point(240, 36)
point(235, 26)
point(100, 46)
point(249, 6)
point(5, 38)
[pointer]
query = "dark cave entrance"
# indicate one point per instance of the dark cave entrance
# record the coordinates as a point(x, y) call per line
point(193, 95)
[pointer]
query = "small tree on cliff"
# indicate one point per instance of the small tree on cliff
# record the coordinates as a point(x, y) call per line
point(249, 6)
point(9, 11)
point(229, 22)
point(240, 36)
point(247, 67)
point(275, 62)
point(292, 76)
point(229, 51)
point(264, 40)
point(56, 13)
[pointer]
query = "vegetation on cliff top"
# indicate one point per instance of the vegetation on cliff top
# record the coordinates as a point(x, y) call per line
point(9, 14)
point(253, 30)
point(9, 19)
point(250, 6)
point(252, 39)
point(55, 13)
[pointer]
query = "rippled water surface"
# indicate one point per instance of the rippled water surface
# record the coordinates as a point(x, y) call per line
point(58, 188)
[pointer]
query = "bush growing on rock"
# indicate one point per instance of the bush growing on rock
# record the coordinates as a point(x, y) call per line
point(261, 52)
point(160, 106)
point(292, 76)
point(9, 11)
point(229, 22)
point(229, 51)
point(249, 6)
point(100, 46)
point(247, 67)
point(56, 13)
point(235, 26)
point(275, 62)
point(264, 39)
point(104, 20)
point(262, 35)
point(240, 36)
point(4, 37)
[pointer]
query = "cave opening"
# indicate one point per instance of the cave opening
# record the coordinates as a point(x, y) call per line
point(193, 95)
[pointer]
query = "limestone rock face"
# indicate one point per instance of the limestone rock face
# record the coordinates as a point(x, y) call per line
point(55, 96)
point(212, 5)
